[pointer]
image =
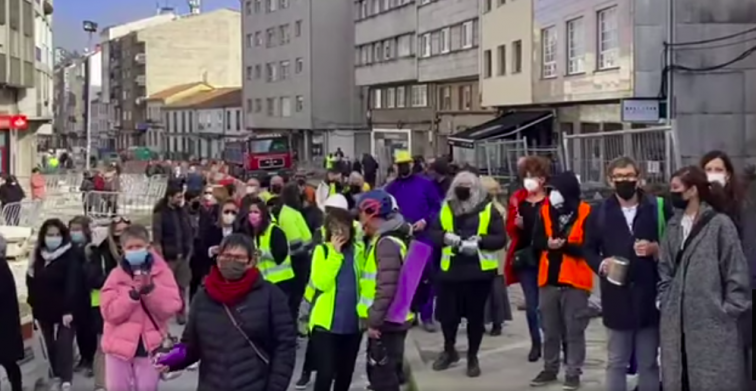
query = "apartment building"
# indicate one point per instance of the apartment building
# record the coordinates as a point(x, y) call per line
point(26, 64)
point(76, 81)
point(200, 124)
point(157, 134)
point(586, 60)
point(298, 67)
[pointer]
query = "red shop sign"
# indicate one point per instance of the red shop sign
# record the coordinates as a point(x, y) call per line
point(18, 122)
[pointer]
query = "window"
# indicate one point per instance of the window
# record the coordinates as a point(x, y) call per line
point(378, 51)
point(284, 70)
point(404, 46)
point(486, 5)
point(444, 98)
point(501, 65)
point(487, 64)
point(517, 56)
point(425, 45)
point(465, 97)
point(423, 2)
point(228, 120)
point(364, 9)
point(467, 35)
point(298, 28)
point(376, 7)
point(298, 65)
point(250, 40)
point(285, 106)
point(377, 99)
point(258, 71)
point(283, 34)
point(575, 50)
point(258, 38)
point(238, 119)
point(300, 103)
point(284, 4)
point(270, 72)
point(258, 105)
point(388, 53)
point(549, 51)
point(258, 6)
point(248, 7)
point(390, 98)
point(445, 40)
point(270, 107)
point(401, 97)
point(608, 39)
point(249, 72)
point(270, 35)
point(419, 95)
point(271, 5)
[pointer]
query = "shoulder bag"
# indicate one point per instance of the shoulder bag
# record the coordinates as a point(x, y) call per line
point(525, 258)
point(238, 328)
point(168, 340)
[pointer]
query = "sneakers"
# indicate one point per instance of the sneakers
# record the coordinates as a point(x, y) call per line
point(193, 367)
point(181, 319)
point(473, 367)
point(54, 384)
point(303, 381)
point(445, 360)
point(496, 330)
point(543, 379)
point(66, 386)
point(571, 383)
point(430, 327)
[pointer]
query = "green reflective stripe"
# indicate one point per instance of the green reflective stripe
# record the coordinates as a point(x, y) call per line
point(266, 270)
point(265, 256)
point(488, 256)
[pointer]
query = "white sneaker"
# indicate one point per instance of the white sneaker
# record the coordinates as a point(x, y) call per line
point(193, 367)
point(54, 385)
point(66, 386)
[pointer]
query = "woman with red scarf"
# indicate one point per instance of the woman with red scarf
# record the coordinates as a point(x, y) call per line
point(240, 327)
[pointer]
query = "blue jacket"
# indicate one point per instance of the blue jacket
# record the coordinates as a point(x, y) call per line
point(417, 198)
point(632, 306)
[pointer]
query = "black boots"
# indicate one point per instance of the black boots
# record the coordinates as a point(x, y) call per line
point(535, 352)
point(473, 366)
point(446, 360)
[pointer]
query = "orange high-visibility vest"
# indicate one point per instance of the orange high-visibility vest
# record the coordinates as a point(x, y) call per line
point(574, 271)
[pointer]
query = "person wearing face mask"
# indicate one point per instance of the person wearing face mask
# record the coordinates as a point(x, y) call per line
point(419, 203)
point(53, 280)
point(86, 336)
point(521, 263)
point(11, 192)
point(719, 169)
point(173, 237)
point(102, 260)
point(240, 319)
point(470, 231)
point(565, 279)
point(275, 263)
point(704, 289)
point(629, 224)
point(357, 186)
point(204, 253)
point(138, 298)
point(333, 184)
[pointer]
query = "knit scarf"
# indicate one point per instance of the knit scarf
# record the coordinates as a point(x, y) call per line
point(229, 292)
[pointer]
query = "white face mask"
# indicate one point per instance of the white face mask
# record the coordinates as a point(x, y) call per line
point(531, 184)
point(251, 189)
point(209, 197)
point(717, 177)
point(228, 219)
point(556, 199)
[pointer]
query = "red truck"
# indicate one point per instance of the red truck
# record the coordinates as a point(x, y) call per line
point(268, 154)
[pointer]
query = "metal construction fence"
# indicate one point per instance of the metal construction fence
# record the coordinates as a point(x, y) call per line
point(655, 149)
point(64, 200)
point(499, 157)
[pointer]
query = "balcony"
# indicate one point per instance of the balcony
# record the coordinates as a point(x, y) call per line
point(141, 80)
point(140, 58)
point(404, 69)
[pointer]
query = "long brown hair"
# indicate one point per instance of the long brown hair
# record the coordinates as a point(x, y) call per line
point(710, 193)
point(733, 189)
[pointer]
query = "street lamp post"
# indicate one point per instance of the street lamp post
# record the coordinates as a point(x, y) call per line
point(90, 28)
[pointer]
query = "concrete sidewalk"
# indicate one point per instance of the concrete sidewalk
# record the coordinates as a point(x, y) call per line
point(503, 359)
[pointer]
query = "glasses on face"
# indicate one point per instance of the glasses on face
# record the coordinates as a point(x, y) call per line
point(208, 193)
point(625, 177)
point(120, 219)
point(230, 212)
point(232, 258)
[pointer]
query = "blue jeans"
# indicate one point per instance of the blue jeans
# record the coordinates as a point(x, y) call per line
point(529, 283)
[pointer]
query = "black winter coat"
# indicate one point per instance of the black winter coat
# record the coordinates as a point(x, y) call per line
point(100, 262)
point(11, 339)
point(227, 361)
point(54, 289)
point(632, 306)
point(467, 267)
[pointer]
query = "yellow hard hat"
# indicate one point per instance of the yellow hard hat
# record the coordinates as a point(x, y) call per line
point(402, 156)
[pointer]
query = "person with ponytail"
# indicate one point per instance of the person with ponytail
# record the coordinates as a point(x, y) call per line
point(704, 289)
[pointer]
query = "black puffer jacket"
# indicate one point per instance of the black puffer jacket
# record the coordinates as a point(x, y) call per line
point(227, 361)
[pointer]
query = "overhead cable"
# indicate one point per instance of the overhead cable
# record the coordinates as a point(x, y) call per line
point(705, 41)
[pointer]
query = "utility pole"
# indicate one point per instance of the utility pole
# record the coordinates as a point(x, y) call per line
point(669, 74)
point(90, 28)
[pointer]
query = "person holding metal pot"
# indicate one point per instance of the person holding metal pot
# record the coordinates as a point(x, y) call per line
point(622, 246)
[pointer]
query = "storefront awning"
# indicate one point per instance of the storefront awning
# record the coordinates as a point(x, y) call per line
point(501, 127)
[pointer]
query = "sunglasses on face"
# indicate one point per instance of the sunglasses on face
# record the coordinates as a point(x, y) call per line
point(120, 219)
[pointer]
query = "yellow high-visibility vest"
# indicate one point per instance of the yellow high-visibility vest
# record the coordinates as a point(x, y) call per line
point(488, 259)
point(271, 271)
point(369, 274)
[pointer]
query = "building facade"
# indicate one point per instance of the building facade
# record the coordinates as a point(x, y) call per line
point(146, 61)
point(198, 125)
point(157, 134)
point(296, 60)
point(77, 80)
point(582, 59)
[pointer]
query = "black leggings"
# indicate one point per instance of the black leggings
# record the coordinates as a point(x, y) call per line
point(14, 375)
point(336, 356)
point(463, 299)
point(86, 338)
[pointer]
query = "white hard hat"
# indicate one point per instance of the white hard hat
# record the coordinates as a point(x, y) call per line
point(337, 201)
point(394, 205)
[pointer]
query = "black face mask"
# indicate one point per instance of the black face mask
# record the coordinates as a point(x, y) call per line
point(462, 193)
point(355, 189)
point(677, 200)
point(301, 182)
point(626, 189)
point(195, 205)
point(403, 170)
point(275, 189)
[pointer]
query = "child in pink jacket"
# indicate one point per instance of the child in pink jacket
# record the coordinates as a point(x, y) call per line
point(137, 300)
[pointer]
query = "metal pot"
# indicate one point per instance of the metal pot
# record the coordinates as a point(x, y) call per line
point(617, 273)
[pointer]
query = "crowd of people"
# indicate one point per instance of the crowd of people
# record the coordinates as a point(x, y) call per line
point(241, 267)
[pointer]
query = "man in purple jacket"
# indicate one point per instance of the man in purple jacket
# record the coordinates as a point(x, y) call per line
point(419, 202)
